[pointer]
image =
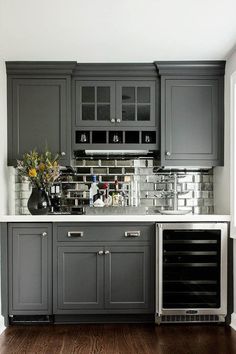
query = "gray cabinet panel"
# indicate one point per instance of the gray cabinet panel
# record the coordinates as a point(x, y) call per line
point(135, 103)
point(94, 103)
point(82, 232)
point(39, 116)
point(80, 278)
point(88, 279)
point(114, 104)
point(30, 268)
point(127, 277)
point(192, 119)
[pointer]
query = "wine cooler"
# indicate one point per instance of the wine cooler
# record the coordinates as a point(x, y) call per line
point(191, 272)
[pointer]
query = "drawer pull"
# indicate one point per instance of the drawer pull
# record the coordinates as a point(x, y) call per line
point(44, 234)
point(132, 233)
point(107, 252)
point(100, 253)
point(75, 234)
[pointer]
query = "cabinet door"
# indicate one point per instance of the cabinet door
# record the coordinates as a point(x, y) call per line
point(135, 103)
point(94, 103)
point(39, 116)
point(79, 283)
point(30, 247)
point(191, 122)
point(128, 278)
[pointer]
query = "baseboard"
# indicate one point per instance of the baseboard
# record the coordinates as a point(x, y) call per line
point(104, 318)
point(233, 321)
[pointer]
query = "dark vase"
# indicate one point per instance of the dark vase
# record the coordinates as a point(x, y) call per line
point(38, 203)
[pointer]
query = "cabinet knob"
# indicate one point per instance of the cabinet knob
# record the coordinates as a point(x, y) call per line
point(113, 120)
point(107, 252)
point(44, 234)
point(168, 153)
point(63, 153)
point(100, 253)
point(118, 120)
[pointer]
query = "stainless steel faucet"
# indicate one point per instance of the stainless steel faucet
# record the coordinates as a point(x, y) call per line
point(173, 193)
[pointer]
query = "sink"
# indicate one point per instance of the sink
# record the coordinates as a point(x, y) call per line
point(175, 212)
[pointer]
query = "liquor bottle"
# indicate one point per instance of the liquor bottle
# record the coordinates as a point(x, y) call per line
point(116, 195)
point(93, 191)
point(107, 199)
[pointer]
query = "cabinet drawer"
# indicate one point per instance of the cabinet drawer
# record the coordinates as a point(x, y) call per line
point(78, 232)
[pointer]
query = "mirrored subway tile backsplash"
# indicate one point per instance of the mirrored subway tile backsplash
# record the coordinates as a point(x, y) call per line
point(155, 186)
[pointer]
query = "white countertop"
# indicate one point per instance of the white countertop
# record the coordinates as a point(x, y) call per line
point(115, 218)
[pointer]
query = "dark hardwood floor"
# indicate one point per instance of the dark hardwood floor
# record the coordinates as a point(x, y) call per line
point(119, 339)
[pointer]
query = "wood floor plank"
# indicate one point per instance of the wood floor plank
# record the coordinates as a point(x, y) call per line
point(118, 339)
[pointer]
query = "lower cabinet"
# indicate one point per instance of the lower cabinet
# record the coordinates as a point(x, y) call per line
point(30, 265)
point(88, 268)
point(115, 277)
point(80, 278)
point(127, 277)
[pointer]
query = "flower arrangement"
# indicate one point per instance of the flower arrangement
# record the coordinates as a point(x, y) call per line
point(42, 170)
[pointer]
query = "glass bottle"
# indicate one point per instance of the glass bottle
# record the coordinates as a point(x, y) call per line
point(116, 195)
point(93, 191)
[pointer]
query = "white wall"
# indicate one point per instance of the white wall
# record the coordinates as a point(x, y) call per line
point(222, 174)
point(3, 140)
point(3, 153)
point(109, 30)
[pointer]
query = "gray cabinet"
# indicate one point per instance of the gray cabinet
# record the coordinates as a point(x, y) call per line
point(127, 103)
point(115, 106)
point(115, 277)
point(127, 277)
point(192, 113)
point(80, 278)
point(30, 266)
point(39, 112)
point(135, 103)
point(94, 103)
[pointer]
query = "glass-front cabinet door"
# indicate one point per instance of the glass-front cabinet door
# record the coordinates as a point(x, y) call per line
point(94, 103)
point(135, 103)
point(103, 103)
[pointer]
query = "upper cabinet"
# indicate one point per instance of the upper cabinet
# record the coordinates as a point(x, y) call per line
point(39, 110)
point(115, 106)
point(192, 113)
point(135, 103)
point(94, 103)
point(66, 106)
point(125, 103)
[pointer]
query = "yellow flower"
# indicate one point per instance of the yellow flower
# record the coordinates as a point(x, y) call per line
point(32, 172)
point(41, 166)
point(55, 164)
